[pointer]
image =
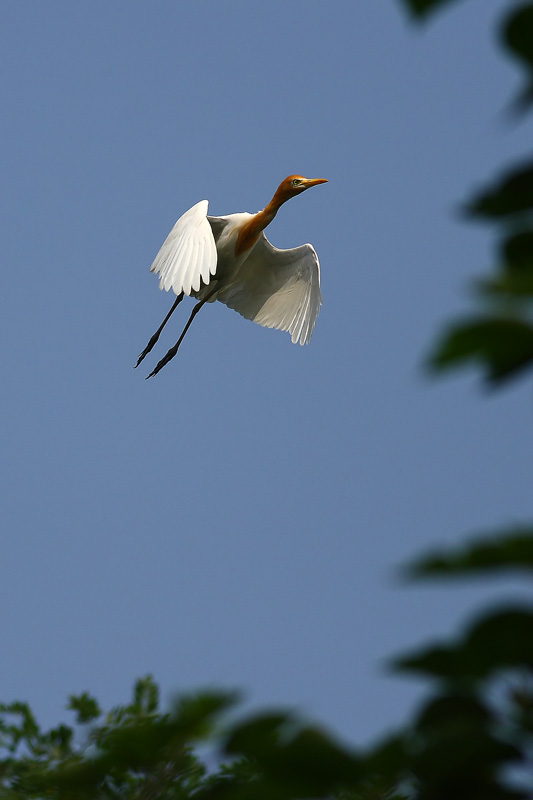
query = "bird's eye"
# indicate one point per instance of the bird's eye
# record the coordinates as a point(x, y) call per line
point(296, 181)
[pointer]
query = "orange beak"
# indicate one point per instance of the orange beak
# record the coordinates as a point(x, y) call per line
point(314, 182)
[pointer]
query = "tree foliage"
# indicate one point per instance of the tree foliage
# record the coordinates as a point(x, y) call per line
point(139, 752)
point(473, 737)
point(499, 335)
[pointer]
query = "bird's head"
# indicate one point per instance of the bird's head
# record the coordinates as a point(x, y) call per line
point(296, 184)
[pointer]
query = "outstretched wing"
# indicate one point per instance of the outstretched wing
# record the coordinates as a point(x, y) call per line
point(188, 254)
point(278, 289)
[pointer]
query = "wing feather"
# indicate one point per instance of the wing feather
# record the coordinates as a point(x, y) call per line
point(190, 269)
point(278, 289)
point(188, 254)
point(201, 257)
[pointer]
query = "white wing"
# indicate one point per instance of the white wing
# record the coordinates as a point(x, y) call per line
point(188, 254)
point(278, 289)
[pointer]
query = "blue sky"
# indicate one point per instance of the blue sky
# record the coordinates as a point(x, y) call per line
point(237, 521)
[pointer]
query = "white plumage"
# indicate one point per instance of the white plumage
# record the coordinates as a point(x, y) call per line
point(230, 259)
point(278, 289)
point(188, 254)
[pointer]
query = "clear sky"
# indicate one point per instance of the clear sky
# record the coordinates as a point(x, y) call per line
point(237, 521)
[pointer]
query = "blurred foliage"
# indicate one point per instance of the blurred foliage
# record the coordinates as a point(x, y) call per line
point(421, 8)
point(137, 751)
point(510, 550)
point(517, 37)
point(472, 739)
point(500, 344)
point(498, 641)
point(499, 335)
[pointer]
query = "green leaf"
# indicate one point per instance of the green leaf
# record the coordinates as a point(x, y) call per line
point(85, 706)
point(464, 768)
point(24, 729)
point(257, 735)
point(514, 287)
point(422, 8)
point(459, 714)
point(508, 550)
point(146, 696)
point(61, 740)
point(197, 713)
point(511, 194)
point(389, 759)
point(515, 278)
point(501, 640)
point(501, 345)
point(314, 763)
point(517, 252)
point(517, 37)
point(518, 33)
point(298, 761)
point(456, 749)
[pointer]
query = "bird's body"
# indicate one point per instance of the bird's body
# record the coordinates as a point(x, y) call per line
point(230, 259)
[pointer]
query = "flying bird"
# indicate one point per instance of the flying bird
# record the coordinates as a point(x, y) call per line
point(230, 259)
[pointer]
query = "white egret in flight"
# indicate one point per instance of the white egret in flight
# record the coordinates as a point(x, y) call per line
point(231, 260)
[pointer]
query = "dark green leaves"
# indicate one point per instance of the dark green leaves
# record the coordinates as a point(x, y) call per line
point(421, 8)
point(293, 760)
point(456, 751)
point(18, 725)
point(518, 34)
point(476, 729)
point(85, 706)
point(517, 37)
point(145, 696)
point(512, 550)
point(498, 641)
point(500, 339)
point(503, 347)
point(516, 253)
point(135, 750)
point(139, 752)
point(511, 194)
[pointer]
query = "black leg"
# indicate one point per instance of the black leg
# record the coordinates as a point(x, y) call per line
point(173, 350)
point(157, 334)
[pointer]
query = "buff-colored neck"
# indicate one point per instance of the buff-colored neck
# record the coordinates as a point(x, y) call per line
point(250, 232)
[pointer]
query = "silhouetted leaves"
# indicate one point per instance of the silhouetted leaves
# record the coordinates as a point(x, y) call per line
point(518, 33)
point(517, 252)
point(421, 8)
point(459, 714)
point(517, 36)
point(17, 724)
point(511, 194)
point(85, 706)
point(456, 752)
point(503, 639)
point(514, 281)
point(512, 550)
point(139, 752)
point(294, 760)
point(145, 696)
point(507, 288)
point(503, 347)
point(501, 339)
